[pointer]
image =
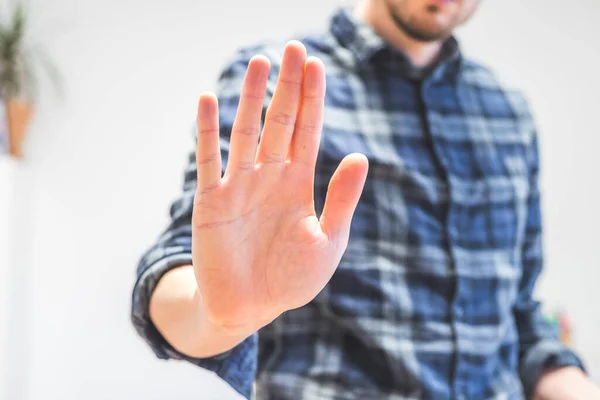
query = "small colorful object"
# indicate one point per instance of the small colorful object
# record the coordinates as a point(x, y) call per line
point(562, 322)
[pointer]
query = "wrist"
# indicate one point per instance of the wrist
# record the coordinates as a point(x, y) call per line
point(230, 327)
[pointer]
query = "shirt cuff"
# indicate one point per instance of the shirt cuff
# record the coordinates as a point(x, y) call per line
point(237, 366)
point(545, 355)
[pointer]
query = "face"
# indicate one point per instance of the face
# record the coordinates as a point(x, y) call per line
point(430, 20)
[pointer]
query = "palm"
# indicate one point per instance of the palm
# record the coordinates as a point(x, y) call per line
point(258, 247)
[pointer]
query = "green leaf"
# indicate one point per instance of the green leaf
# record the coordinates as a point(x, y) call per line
point(20, 62)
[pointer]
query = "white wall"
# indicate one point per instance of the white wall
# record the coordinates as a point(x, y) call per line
point(106, 162)
point(6, 184)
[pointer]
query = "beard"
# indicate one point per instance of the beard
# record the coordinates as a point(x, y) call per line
point(421, 32)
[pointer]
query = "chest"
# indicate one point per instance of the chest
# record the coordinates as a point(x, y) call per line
point(457, 130)
point(431, 149)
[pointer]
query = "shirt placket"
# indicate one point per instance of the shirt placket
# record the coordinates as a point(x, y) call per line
point(434, 128)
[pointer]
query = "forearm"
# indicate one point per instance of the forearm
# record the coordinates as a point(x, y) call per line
point(565, 384)
point(177, 311)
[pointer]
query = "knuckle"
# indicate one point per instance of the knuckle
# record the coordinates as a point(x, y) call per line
point(245, 131)
point(282, 118)
point(253, 96)
point(208, 131)
point(311, 94)
point(245, 166)
point(310, 127)
point(293, 83)
point(201, 192)
point(211, 158)
point(274, 158)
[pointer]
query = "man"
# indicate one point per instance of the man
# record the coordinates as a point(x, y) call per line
point(261, 277)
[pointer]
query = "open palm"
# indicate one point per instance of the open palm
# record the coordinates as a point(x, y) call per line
point(258, 247)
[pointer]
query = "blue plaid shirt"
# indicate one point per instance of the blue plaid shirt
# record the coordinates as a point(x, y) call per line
point(433, 297)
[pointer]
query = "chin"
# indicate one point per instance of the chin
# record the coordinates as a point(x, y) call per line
point(426, 31)
point(427, 22)
point(435, 28)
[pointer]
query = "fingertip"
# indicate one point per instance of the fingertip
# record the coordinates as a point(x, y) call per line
point(295, 50)
point(315, 67)
point(296, 45)
point(257, 73)
point(207, 104)
point(314, 82)
point(313, 60)
point(358, 160)
point(260, 61)
point(361, 158)
point(207, 98)
point(357, 166)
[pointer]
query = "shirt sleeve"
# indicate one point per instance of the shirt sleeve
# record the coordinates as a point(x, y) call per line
point(174, 247)
point(539, 346)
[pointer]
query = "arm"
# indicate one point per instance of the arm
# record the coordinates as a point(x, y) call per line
point(247, 235)
point(548, 369)
point(566, 383)
point(167, 309)
point(177, 311)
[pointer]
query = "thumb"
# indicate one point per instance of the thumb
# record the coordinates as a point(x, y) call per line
point(344, 191)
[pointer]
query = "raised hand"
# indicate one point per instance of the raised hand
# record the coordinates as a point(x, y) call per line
point(258, 247)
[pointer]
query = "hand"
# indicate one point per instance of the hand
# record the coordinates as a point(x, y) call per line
point(258, 247)
point(568, 383)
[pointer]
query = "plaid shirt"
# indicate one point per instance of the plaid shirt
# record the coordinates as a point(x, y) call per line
point(433, 297)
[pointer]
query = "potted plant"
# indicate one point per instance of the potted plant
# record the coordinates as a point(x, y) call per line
point(20, 64)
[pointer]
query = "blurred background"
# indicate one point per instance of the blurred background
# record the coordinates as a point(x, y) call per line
point(102, 163)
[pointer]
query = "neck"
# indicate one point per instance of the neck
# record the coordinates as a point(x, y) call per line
point(375, 14)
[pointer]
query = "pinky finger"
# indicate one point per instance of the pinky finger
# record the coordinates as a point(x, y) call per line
point(208, 155)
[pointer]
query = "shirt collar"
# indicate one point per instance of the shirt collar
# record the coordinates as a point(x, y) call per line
point(365, 44)
point(357, 37)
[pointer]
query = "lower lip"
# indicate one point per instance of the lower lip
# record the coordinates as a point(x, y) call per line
point(443, 1)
